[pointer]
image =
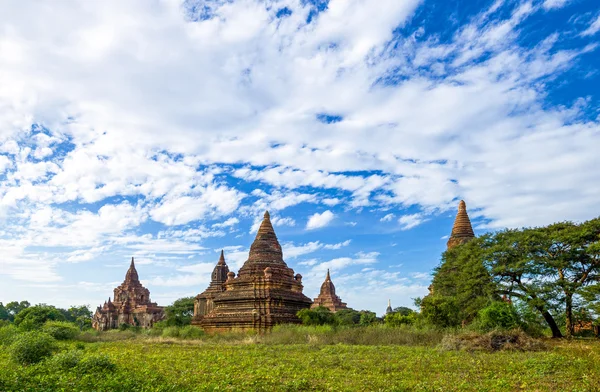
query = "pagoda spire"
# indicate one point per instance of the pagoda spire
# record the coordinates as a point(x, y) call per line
point(328, 278)
point(266, 247)
point(222, 258)
point(389, 307)
point(462, 231)
point(132, 275)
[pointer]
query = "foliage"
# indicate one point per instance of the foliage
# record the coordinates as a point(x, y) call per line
point(66, 360)
point(368, 318)
point(60, 330)
point(8, 334)
point(317, 316)
point(508, 340)
point(243, 365)
point(188, 332)
point(395, 319)
point(96, 363)
point(3, 313)
point(35, 317)
point(347, 317)
point(14, 307)
point(180, 312)
point(498, 315)
point(31, 347)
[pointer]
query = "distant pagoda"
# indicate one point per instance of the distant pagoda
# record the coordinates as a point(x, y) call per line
point(327, 297)
point(462, 231)
point(131, 305)
point(389, 309)
point(265, 293)
point(203, 303)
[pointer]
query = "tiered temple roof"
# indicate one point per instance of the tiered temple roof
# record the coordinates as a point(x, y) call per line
point(204, 301)
point(265, 292)
point(131, 305)
point(462, 231)
point(327, 297)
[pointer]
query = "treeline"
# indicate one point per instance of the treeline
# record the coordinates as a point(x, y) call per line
point(28, 317)
point(535, 278)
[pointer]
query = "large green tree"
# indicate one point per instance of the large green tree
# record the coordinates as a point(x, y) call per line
point(180, 312)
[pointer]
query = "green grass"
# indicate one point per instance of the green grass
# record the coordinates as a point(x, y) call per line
point(157, 364)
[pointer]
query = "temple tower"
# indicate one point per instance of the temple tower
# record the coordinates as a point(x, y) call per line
point(131, 305)
point(462, 231)
point(389, 307)
point(204, 302)
point(265, 292)
point(327, 297)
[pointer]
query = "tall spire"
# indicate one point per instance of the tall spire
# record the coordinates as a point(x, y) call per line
point(389, 307)
point(265, 247)
point(328, 278)
point(132, 275)
point(221, 259)
point(462, 231)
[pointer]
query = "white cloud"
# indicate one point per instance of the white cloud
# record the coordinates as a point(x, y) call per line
point(387, 218)
point(554, 4)
point(593, 28)
point(407, 222)
point(318, 221)
point(228, 223)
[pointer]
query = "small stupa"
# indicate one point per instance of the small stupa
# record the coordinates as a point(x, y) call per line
point(327, 297)
point(462, 231)
point(389, 307)
point(265, 293)
point(203, 302)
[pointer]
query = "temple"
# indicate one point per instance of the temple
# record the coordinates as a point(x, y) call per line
point(131, 305)
point(327, 297)
point(265, 293)
point(389, 307)
point(462, 231)
point(203, 303)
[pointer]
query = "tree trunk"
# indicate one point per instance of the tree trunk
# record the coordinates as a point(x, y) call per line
point(551, 323)
point(570, 328)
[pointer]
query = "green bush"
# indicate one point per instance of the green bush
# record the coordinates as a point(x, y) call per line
point(190, 332)
point(317, 316)
point(35, 317)
point(96, 363)
point(397, 319)
point(60, 330)
point(32, 347)
point(8, 334)
point(498, 315)
point(66, 360)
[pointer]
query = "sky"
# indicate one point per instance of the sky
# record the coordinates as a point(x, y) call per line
point(163, 129)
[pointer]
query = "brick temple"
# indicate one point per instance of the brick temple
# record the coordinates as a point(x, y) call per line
point(327, 297)
point(131, 305)
point(204, 304)
point(265, 293)
point(462, 231)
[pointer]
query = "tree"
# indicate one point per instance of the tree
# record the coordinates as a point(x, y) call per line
point(368, 318)
point(13, 308)
point(317, 316)
point(3, 312)
point(403, 310)
point(347, 317)
point(34, 317)
point(180, 312)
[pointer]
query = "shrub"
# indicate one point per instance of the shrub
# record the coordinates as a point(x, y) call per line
point(397, 319)
point(36, 316)
point(190, 332)
point(514, 340)
point(32, 347)
point(60, 330)
point(317, 316)
point(498, 315)
point(66, 360)
point(96, 363)
point(8, 334)
point(124, 327)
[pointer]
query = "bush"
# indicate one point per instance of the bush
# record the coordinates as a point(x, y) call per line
point(514, 340)
point(66, 360)
point(60, 330)
point(498, 315)
point(32, 347)
point(96, 363)
point(8, 334)
point(35, 317)
point(398, 319)
point(317, 316)
point(190, 332)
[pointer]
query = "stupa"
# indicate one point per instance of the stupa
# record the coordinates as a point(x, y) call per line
point(327, 297)
point(462, 231)
point(131, 305)
point(265, 293)
point(204, 302)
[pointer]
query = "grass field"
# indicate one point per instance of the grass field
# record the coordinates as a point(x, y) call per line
point(158, 364)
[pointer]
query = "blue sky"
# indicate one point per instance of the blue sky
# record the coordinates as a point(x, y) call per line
point(163, 130)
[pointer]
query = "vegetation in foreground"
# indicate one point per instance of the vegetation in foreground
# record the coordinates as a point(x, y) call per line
point(307, 358)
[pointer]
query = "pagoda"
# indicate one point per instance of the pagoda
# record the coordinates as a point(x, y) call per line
point(327, 297)
point(265, 293)
point(462, 231)
point(203, 303)
point(131, 305)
